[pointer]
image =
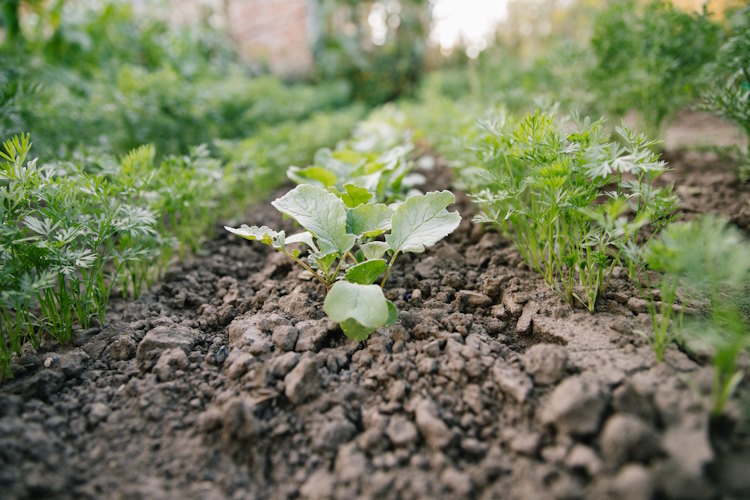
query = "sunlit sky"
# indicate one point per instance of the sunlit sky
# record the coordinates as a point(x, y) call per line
point(470, 20)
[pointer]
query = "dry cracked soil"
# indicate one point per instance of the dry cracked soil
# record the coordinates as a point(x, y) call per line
point(226, 380)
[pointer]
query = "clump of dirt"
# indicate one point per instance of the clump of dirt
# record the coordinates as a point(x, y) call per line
point(228, 381)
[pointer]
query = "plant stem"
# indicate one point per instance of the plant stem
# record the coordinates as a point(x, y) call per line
point(308, 268)
point(388, 269)
point(349, 254)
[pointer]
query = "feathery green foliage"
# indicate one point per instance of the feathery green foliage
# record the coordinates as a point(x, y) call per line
point(649, 58)
point(705, 260)
point(563, 194)
point(61, 246)
point(729, 93)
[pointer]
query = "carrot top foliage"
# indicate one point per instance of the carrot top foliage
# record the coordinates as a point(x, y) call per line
point(571, 197)
point(649, 58)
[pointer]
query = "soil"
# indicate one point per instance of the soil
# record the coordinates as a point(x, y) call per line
point(226, 380)
point(706, 183)
point(705, 180)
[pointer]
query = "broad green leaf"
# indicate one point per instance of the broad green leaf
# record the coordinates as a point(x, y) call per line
point(304, 237)
point(355, 331)
point(365, 273)
point(365, 304)
point(323, 262)
point(312, 175)
point(263, 234)
point(374, 166)
point(320, 212)
point(369, 182)
point(331, 161)
point(351, 156)
point(374, 249)
point(414, 179)
point(354, 195)
point(392, 314)
point(422, 221)
point(368, 220)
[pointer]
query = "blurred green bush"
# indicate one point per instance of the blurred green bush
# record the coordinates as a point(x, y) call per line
point(109, 80)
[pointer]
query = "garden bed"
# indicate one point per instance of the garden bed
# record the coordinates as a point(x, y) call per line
point(226, 380)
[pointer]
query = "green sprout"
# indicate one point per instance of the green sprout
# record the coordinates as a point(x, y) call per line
point(572, 200)
point(709, 260)
point(344, 253)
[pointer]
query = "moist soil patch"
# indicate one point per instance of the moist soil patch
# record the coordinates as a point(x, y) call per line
point(226, 380)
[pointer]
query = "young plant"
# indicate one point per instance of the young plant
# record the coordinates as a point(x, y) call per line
point(649, 57)
point(344, 253)
point(572, 200)
point(350, 172)
point(708, 260)
point(254, 166)
point(729, 93)
point(375, 159)
point(60, 231)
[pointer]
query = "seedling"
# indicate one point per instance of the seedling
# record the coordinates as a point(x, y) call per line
point(60, 237)
point(710, 261)
point(376, 160)
point(344, 252)
point(562, 194)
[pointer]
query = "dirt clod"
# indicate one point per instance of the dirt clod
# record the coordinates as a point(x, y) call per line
point(576, 406)
point(302, 382)
point(546, 363)
point(160, 339)
point(626, 438)
point(433, 429)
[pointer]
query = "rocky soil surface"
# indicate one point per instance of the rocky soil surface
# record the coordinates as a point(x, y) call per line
point(227, 381)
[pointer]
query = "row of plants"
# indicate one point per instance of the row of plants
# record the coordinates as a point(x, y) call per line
point(578, 199)
point(75, 230)
point(359, 211)
point(561, 192)
point(650, 57)
point(108, 80)
point(577, 202)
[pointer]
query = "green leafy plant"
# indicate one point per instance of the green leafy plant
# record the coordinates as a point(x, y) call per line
point(60, 246)
point(103, 76)
point(729, 93)
point(649, 57)
point(257, 164)
point(705, 260)
point(344, 253)
point(375, 160)
point(572, 200)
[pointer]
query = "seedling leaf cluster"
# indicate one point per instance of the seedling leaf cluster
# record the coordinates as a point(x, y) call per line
point(704, 261)
point(342, 250)
point(351, 239)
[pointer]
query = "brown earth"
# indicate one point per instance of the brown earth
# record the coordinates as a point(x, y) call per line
point(227, 381)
